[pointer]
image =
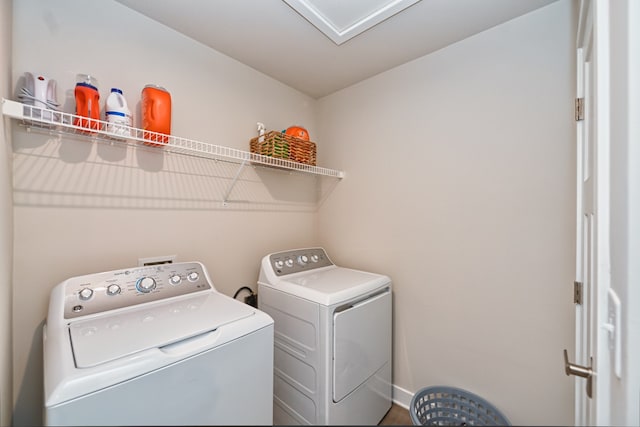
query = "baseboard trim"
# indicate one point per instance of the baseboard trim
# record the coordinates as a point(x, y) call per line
point(401, 397)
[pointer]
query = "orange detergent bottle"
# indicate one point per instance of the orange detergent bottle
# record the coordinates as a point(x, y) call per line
point(156, 115)
point(87, 102)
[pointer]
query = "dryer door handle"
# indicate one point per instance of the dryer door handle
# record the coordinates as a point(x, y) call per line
point(364, 300)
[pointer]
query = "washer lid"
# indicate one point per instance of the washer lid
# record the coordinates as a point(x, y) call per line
point(331, 285)
point(106, 338)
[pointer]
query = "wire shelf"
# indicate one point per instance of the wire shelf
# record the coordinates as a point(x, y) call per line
point(65, 123)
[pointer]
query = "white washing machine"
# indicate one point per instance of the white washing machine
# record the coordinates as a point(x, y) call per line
point(332, 350)
point(155, 346)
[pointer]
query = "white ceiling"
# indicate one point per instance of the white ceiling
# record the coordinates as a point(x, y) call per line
point(271, 37)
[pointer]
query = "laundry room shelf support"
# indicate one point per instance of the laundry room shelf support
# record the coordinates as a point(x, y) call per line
point(225, 201)
point(65, 123)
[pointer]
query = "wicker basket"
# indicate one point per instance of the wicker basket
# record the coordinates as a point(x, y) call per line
point(283, 146)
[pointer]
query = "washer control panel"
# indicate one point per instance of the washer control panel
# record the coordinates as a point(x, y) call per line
point(96, 293)
point(298, 260)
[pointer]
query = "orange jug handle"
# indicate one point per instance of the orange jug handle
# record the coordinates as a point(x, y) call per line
point(152, 110)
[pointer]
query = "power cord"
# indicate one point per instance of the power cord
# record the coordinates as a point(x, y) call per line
point(27, 95)
point(251, 299)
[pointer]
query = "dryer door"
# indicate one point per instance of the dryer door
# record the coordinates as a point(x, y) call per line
point(361, 342)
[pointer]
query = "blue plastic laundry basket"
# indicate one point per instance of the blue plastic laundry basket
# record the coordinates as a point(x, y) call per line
point(440, 405)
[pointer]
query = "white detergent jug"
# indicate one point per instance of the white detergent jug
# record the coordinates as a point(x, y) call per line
point(118, 114)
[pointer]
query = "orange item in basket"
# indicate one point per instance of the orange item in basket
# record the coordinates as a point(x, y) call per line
point(156, 114)
point(298, 132)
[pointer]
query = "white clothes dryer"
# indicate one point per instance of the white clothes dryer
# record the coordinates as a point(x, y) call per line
point(332, 351)
point(155, 346)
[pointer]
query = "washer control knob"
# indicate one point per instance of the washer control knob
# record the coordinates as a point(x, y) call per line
point(145, 284)
point(193, 276)
point(175, 279)
point(113, 289)
point(303, 260)
point(314, 258)
point(288, 262)
point(279, 264)
point(85, 294)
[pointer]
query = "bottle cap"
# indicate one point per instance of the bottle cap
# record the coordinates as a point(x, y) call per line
point(115, 89)
point(87, 79)
point(156, 87)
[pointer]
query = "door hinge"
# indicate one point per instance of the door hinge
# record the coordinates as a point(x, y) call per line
point(577, 293)
point(579, 109)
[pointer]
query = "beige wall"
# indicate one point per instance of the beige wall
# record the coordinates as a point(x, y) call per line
point(6, 218)
point(460, 186)
point(82, 206)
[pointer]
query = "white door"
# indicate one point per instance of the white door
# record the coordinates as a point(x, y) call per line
point(592, 233)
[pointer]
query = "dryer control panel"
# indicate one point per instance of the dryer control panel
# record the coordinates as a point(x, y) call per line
point(96, 293)
point(298, 260)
